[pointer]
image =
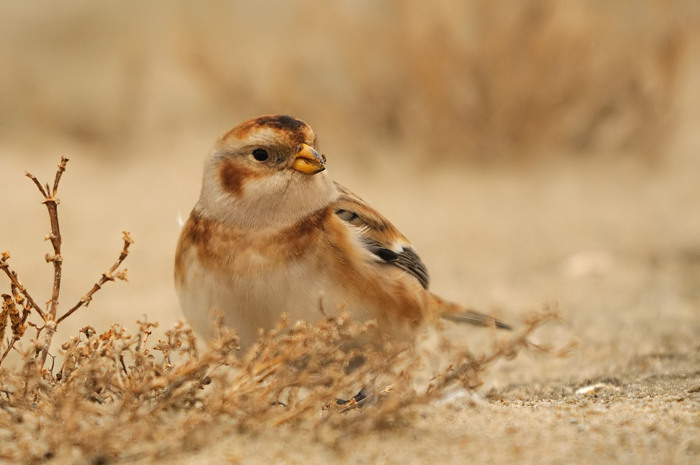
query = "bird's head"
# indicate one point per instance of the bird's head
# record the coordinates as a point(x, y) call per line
point(266, 172)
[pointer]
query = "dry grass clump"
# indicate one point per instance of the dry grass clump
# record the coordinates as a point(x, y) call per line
point(119, 396)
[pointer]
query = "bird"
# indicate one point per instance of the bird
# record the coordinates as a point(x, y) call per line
point(272, 233)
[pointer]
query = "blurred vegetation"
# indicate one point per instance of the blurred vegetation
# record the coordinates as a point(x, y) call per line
point(476, 80)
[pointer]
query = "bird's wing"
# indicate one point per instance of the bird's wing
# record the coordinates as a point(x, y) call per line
point(379, 236)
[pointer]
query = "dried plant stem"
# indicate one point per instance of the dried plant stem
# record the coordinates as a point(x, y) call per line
point(108, 276)
point(506, 350)
point(51, 202)
point(21, 300)
point(4, 266)
point(7, 351)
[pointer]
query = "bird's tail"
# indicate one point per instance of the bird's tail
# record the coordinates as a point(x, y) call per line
point(454, 312)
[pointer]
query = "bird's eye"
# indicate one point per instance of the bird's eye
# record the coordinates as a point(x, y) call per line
point(260, 154)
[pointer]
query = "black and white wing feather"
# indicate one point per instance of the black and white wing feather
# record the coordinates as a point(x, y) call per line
point(379, 236)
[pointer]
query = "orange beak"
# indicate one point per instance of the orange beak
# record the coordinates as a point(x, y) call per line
point(308, 161)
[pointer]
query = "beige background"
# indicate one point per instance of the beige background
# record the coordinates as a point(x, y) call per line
point(543, 153)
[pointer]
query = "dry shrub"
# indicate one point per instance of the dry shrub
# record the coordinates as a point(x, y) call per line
point(48, 317)
point(119, 397)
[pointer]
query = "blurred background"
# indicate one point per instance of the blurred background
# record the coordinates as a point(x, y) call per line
point(535, 152)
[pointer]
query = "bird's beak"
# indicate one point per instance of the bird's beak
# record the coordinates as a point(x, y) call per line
point(308, 161)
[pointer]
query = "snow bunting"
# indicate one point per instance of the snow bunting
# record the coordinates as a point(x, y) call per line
point(272, 233)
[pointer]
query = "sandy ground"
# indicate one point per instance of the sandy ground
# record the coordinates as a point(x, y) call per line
point(615, 245)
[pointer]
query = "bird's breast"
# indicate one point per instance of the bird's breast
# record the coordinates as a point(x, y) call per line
point(250, 277)
point(310, 269)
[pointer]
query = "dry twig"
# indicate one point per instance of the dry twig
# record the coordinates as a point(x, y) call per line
point(110, 275)
point(21, 297)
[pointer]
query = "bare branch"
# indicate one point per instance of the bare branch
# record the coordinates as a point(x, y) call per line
point(51, 202)
point(17, 308)
point(59, 173)
point(14, 280)
point(38, 184)
point(110, 275)
point(7, 351)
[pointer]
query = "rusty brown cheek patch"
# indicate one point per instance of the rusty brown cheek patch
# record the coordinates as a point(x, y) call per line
point(233, 176)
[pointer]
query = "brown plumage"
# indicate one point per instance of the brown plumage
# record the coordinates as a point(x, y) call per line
point(272, 233)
